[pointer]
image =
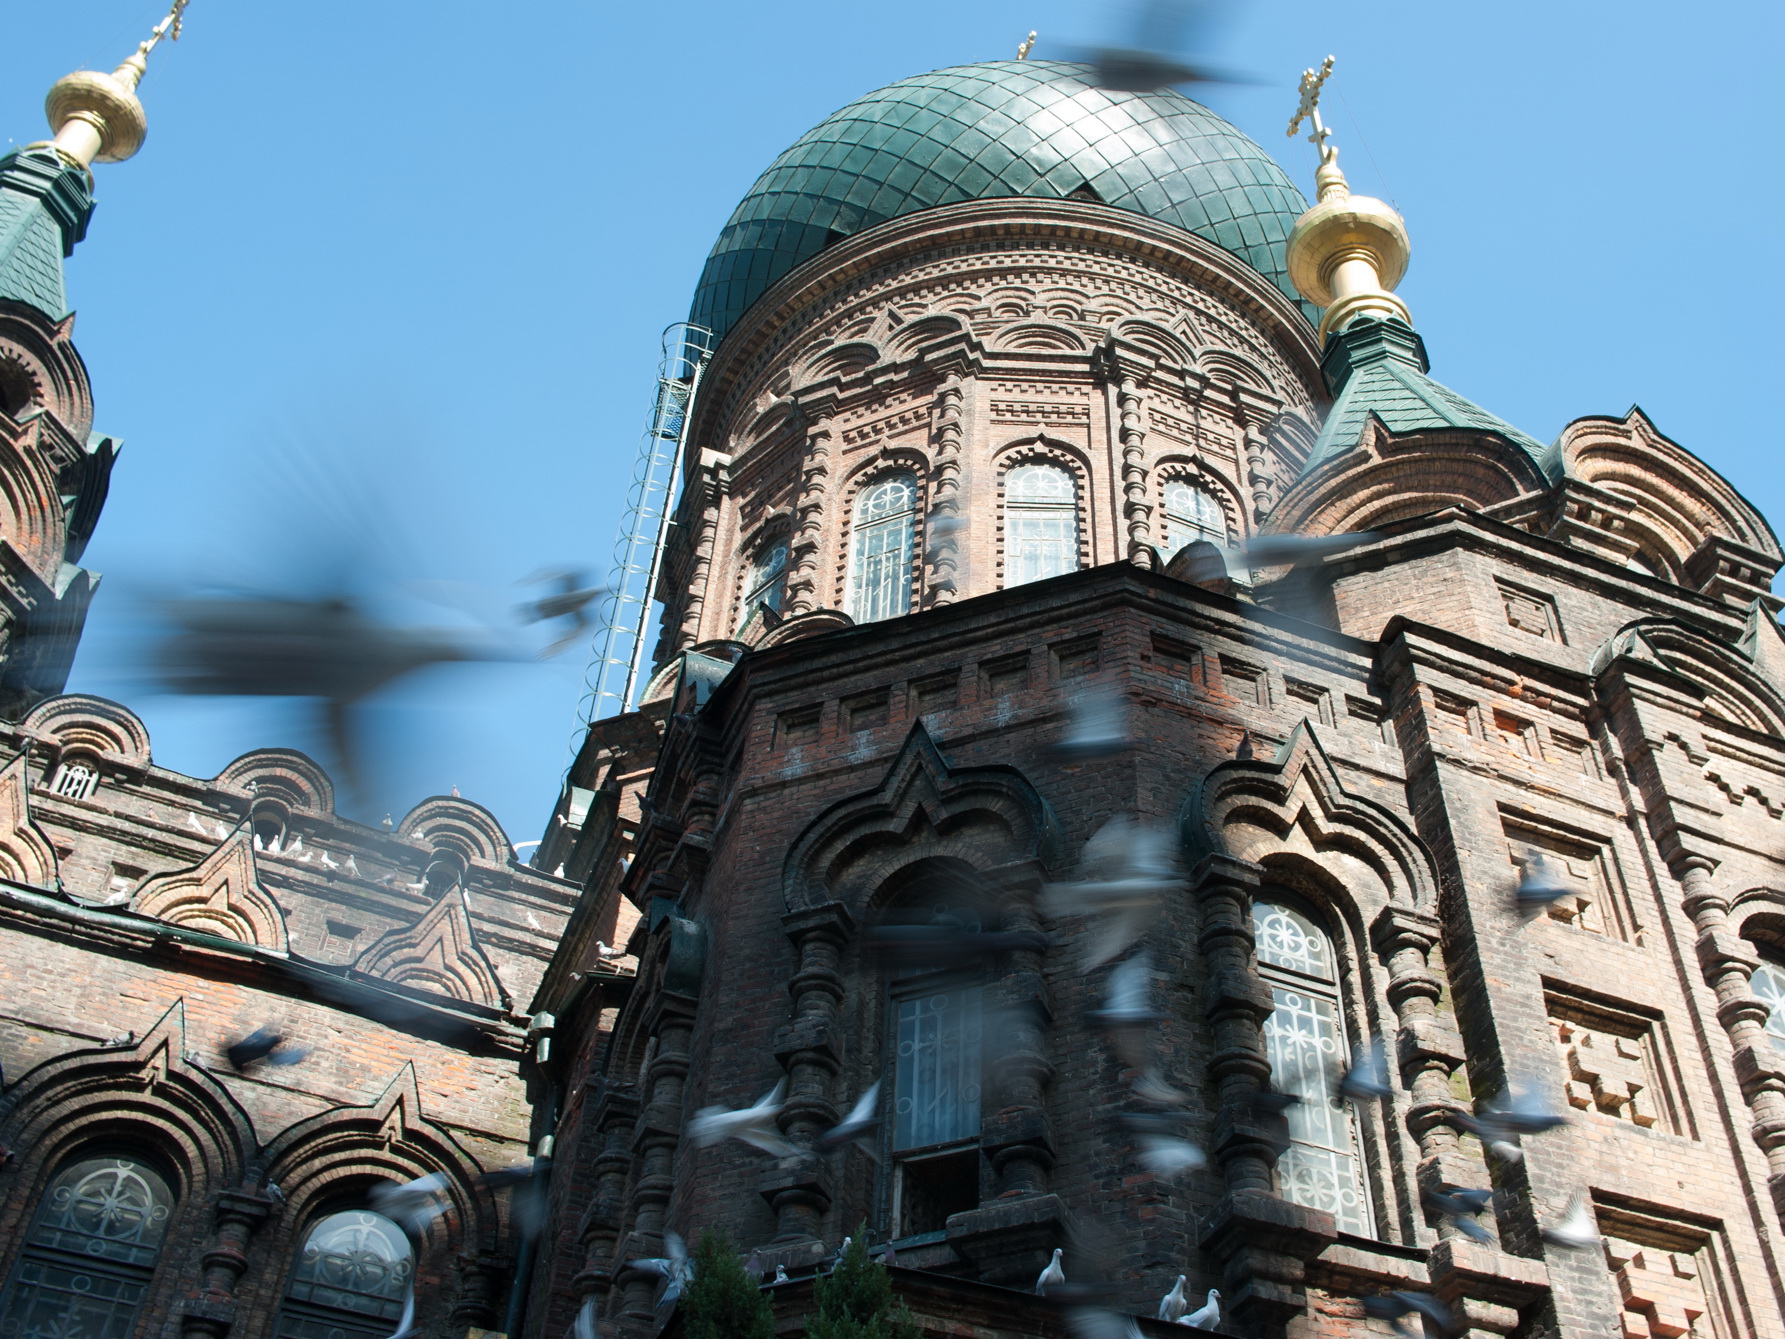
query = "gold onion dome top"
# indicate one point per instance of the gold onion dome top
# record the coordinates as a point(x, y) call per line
point(97, 118)
point(1348, 252)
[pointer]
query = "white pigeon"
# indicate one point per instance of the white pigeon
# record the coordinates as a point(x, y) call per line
point(1579, 1228)
point(222, 833)
point(297, 844)
point(1208, 1315)
point(603, 951)
point(197, 827)
point(754, 1125)
point(1128, 867)
point(534, 921)
point(1174, 1303)
point(585, 1327)
point(781, 1274)
point(1093, 1322)
point(328, 862)
point(855, 1128)
point(1128, 1014)
point(415, 1203)
point(1051, 1277)
point(1097, 725)
point(353, 867)
point(406, 1322)
point(1165, 1156)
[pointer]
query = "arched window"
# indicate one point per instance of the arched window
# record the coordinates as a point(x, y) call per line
point(76, 777)
point(880, 552)
point(934, 1021)
point(351, 1281)
point(767, 582)
point(1191, 513)
point(90, 1252)
point(1305, 1038)
point(1040, 523)
point(1768, 985)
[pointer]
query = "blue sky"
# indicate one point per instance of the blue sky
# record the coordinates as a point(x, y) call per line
point(428, 248)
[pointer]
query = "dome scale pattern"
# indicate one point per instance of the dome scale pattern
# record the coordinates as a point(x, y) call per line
point(1039, 129)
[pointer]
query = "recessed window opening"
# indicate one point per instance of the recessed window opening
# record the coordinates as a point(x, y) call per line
point(76, 777)
point(1041, 523)
point(767, 582)
point(351, 1279)
point(90, 1252)
point(1305, 1040)
point(1192, 512)
point(880, 550)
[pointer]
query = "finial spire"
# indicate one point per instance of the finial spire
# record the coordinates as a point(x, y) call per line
point(1349, 251)
point(97, 117)
point(1028, 45)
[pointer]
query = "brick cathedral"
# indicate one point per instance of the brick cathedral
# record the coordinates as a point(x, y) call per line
point(1012, 391)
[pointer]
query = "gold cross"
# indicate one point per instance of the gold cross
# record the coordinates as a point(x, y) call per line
point(1309, 109)
point(1022, 52)
point(169, 27)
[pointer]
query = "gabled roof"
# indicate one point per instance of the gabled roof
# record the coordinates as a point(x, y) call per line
point(1379, 367)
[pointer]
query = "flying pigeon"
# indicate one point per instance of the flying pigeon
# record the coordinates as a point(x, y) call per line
point(263, 1044)
point(585, 1327)
point(1368, 1079)
point(856, 1128)
point(675, 1267)
point(1128, 1013)
point(1128, 867)
point(1540, 886)
point(1096, 725)
point(1396, 1305)
point(1579, 1228)
point(415, 1203)
point(1461, 1206)
point(754, 1125)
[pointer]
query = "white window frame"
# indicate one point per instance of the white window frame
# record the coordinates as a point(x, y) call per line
point(1041, 536)
point(882, 548)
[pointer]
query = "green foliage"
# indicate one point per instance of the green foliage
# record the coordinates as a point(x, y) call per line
point(856, 1300)
point(721, 1301)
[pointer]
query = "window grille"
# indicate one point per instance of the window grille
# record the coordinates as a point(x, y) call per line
point(768, 579)
point(1305, 1039)
point(1768, 985)
point(1191, 513)
point(881, 550)
point(351, 1281)
point(1040, 523)
point(937, 1089)
point(90, 1252)
point(75, 778)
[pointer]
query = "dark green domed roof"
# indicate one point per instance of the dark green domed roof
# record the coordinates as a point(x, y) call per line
point(1002, 128)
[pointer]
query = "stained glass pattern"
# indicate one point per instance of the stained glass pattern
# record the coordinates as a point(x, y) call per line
point(1768, 985)
point(937, 1096)
point(1041, 523)
point(1191, 513)
point(89, 1254)
point(351, 1279)
point(880, 552)
point(1305, 1040)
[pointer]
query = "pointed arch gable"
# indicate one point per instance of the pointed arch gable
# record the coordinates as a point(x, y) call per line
point(26, 855)
point(221, 895)
point(153, 1086)
point(1295, 811)
point(921, 808)
point(1733, 688)
point(438, 954)
point(391, 1138)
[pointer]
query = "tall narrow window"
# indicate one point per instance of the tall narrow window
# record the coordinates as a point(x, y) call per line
point(880, 552)
point(1040, 523)
point(1191, 513)
point(351, 1280)
point(1768, 985)
point(90, 1252)
point(935, 1126)
point(767, 580)
point(1305, 1038)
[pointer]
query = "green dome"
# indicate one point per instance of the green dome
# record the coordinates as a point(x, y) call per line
point(1030, 128)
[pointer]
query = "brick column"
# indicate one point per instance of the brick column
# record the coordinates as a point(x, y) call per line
point(1258, 473)
point(1137, 509)
point(805, 551)
point(615, 1118)
point(659, 1131)
point(1728, 964)
point(483, 1277)
point(1018, 1135)
point(810, 1050)
point(212, 1312)
point(942, 544)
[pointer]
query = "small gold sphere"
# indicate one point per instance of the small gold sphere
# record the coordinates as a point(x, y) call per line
point(104, 103)
point(1339, 226)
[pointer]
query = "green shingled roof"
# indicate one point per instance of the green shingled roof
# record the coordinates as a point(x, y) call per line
point(1379, 367)
point(1030, 128)
point(44, 207)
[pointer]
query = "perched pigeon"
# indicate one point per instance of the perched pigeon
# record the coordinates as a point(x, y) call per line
point(1368, 1079)
point(857, 1127)
point(415, 1203)
point(835, 1258)
point(1051, 1277)
point(1397, 1305)
point(1208, 1315)
point(889, 1257)
point(1579, 1228)
point(753, 1125)
point(781, 1274)
point(1173, 1304)
point(753, 1267)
